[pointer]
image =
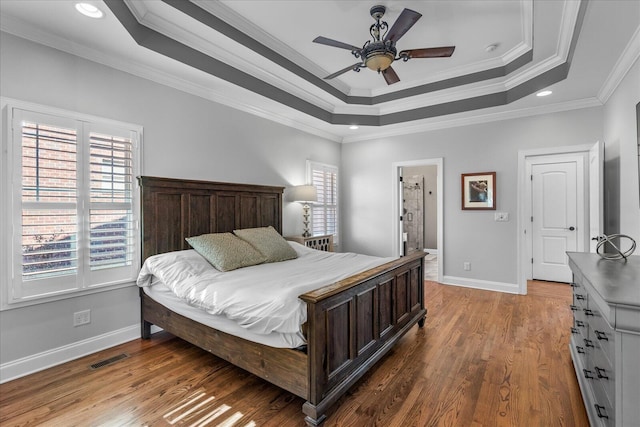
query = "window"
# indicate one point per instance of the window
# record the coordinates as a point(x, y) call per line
point(73, 204)
point(324, 213)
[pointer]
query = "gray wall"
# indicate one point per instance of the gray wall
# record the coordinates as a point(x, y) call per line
point(473, 236)
point(184, 137)
point(622, 205)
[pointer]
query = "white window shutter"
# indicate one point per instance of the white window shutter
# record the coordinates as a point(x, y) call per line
point(324, 213)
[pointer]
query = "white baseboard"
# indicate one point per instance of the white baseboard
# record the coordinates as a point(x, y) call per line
point(510, 288)
point(37, 362)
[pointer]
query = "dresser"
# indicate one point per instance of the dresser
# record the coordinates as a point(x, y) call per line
point(605, 338)
point(321, 243)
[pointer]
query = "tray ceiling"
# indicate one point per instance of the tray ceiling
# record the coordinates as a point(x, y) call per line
point(258, 56)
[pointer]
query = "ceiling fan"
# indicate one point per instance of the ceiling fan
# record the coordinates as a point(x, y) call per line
point(378, 54)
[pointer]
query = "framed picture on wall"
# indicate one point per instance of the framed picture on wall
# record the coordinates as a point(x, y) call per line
point(479, 191)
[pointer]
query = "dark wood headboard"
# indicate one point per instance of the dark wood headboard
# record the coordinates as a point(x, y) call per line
point(173, 209)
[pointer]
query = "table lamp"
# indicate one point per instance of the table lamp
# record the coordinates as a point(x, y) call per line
point(304, 194)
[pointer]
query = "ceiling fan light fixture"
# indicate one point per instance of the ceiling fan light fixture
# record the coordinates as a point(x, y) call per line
point(378, 56)
point(379, 61)
point(379, 53)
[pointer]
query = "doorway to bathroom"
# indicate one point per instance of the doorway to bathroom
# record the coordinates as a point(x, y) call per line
point(418, 219)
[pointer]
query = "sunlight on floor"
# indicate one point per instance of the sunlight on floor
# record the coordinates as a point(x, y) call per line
point(195, 406)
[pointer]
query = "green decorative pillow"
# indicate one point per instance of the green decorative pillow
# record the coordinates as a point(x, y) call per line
point(225, 251)
point(268, 242)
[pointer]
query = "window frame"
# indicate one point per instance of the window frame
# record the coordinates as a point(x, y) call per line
point(311, 166)
point(11, 285)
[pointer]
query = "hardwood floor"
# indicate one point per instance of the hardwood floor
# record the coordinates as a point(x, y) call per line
point(482, 359)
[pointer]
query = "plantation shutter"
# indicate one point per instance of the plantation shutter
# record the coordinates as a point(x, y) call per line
point(75, 205)
point(49, 201)
point(111, 217)
point(324, 213)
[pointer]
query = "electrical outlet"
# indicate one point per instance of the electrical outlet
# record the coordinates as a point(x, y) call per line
point(467, 265)
point(81, 317)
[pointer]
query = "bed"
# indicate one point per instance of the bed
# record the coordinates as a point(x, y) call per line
point(350, 324)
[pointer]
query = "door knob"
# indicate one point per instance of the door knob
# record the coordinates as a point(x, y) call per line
point(571, 228)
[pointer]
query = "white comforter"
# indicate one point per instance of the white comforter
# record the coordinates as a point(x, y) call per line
point(262, 298)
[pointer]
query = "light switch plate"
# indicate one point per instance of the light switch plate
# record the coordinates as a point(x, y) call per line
point(501, 216)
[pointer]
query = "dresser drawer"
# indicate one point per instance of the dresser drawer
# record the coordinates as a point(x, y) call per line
point(580, 330)
point(602, 336)
point(604, 373)
point(580, 298)
point(576, 343)
point(580, 323)
point(602, 408)
point(577, 279)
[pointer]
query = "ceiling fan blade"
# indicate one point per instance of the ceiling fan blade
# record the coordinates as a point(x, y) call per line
point(429, 52)
point(404, 22)
point(344, 70)
point(335, 43)
point(390, 76)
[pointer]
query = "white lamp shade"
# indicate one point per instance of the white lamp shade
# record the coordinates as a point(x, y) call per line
point(303, 193)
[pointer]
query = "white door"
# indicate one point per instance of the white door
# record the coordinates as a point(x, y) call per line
point(557, 217)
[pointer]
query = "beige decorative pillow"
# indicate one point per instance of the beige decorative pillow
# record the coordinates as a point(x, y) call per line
point(268, 242)
point(225, 251)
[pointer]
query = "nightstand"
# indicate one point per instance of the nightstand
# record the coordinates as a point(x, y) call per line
point(321, 243)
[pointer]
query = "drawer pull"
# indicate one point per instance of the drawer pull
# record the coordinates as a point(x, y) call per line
point(579, 349)
point(587, 374)
point(574, 331)
point(600, 410)
point(573, 307)
point(601, 373)
point(601, 335)
point(588, 312)
point(580, 297)
point(580, 323)
point(588, 343)
point(575, 285)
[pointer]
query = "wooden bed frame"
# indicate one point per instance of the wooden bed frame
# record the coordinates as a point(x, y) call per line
point(351, 324)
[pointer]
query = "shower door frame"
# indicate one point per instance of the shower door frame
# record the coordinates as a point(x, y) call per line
point(413, 220)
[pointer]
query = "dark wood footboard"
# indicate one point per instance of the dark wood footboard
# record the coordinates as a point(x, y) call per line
point(355, 322)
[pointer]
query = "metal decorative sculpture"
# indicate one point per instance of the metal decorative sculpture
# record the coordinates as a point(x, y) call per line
point(617, 253)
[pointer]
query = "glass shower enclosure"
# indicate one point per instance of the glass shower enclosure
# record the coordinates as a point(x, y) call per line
point(413, 212)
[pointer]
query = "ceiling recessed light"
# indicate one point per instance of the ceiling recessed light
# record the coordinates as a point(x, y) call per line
point(353, 127)
point(491, 47)
point(544, 93)
point(87, 9)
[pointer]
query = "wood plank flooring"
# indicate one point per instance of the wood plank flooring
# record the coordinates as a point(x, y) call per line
point(482, 359)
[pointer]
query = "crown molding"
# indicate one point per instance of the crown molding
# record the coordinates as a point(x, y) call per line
point(569, 20)
point(629, 56)
point(473, 119)
point(533, 71)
